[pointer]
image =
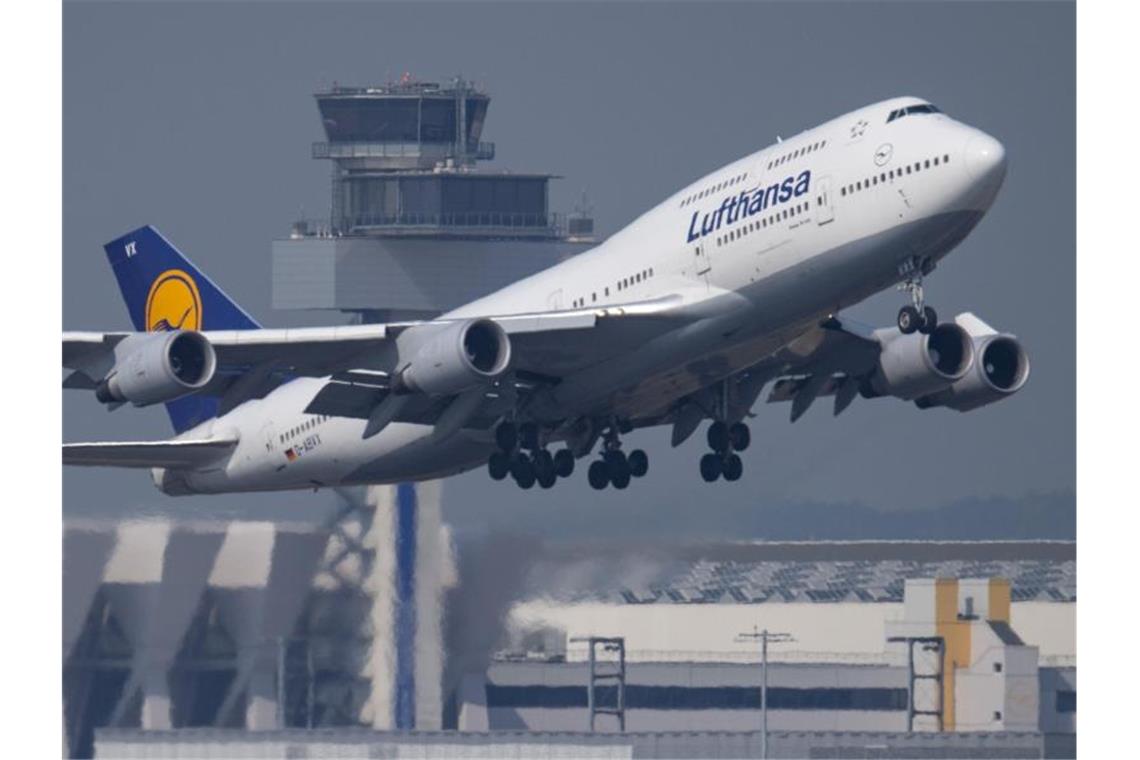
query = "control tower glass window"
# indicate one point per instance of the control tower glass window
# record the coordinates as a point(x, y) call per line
point(448, 201)
point(364, 120)
point(401, 119)
point(437, 123)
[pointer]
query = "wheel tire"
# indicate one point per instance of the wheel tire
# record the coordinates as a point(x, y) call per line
point(929, 321)
point(598, 474)
point(547, 479)
point(524, 476)
point(498, 466)
point(908, 320)
point(718, 437)
point(621, 479)
point(733, 467)
point(740, 436)
point(543, 464)
point(638, 463)
point(520, 465)
point(528, 435)
point(710, 467)
point(615, 461)
point(617, 466)
point(506, 437)
point(563, 463)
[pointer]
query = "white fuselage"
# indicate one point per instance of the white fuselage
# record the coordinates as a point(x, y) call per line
point(855, 200)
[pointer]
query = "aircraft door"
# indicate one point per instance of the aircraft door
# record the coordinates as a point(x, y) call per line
point(824, 202)
point(701, 261)
point(554, 301)
point(269, 436)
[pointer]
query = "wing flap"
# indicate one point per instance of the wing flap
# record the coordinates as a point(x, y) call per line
point(173, 454)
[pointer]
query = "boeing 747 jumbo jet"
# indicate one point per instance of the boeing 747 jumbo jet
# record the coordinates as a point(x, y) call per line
point(733, 283)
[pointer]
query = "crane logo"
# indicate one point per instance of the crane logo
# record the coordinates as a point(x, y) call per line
point(173, 303)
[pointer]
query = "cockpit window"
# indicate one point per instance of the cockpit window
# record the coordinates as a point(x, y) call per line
point(898, 113)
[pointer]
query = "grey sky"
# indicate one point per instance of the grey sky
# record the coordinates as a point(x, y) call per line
point(197, 118)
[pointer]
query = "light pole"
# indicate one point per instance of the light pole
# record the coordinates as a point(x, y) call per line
point(764, 637)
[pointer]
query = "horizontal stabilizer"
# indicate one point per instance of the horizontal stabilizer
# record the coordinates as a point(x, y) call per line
point(173, 454)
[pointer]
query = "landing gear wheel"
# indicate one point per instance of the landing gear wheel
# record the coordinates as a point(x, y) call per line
point(544, 468)
point(506, 436)
point(563, 463)
point(710, 467)
point(733, 467)
point(546, 479)
point(499, 466)
point(739, 436)
point(638, 463)
point(523, 472)
point(718, 437)
point(620, 479)
point(598, 475)
point(929, 320)
point(528, 435)
point(616, 465)
point(908, 320)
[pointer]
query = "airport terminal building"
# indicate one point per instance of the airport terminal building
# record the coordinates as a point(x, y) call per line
point(206, 638)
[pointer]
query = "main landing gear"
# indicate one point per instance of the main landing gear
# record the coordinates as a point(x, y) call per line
point(522, 456)
point(725, 440)
point(917, 316)
point(615, 467)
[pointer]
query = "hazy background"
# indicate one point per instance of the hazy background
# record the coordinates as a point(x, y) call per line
point(197, 118)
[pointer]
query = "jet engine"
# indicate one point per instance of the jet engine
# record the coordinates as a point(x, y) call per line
point(916, 365)
point(461, 356)
point(1001, 369)
point(158, 367)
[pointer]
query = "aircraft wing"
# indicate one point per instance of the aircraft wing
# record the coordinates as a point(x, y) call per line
point(251, 362)
point(827, 360)
point(175, 453)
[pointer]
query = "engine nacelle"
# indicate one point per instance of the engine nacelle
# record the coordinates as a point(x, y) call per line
point(916, 365)
point(461, 356)
point(1001, 369)
point(158, 367)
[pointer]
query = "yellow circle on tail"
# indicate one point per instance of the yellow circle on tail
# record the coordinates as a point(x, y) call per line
point(173, 303)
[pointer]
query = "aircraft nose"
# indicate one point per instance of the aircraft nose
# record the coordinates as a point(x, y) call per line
point(985, 159)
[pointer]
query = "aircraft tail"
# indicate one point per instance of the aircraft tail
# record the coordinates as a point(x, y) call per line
point(165, 291)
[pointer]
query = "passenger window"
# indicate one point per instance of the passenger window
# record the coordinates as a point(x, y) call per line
point(936, 160)
point(946, 159)
point(927, 164)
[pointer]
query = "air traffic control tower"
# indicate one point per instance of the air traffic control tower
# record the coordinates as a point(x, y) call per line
point(415, 227)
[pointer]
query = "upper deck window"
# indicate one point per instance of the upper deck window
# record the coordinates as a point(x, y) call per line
point(898, 113)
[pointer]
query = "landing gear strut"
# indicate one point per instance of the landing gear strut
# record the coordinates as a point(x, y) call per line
point(917, 316)
point(522, 455)
point(615, 467)
point(725, 440)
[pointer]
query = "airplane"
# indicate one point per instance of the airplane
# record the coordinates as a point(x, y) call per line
point(733, 282)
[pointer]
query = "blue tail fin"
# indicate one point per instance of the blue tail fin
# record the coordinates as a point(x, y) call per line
point(164, 291)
